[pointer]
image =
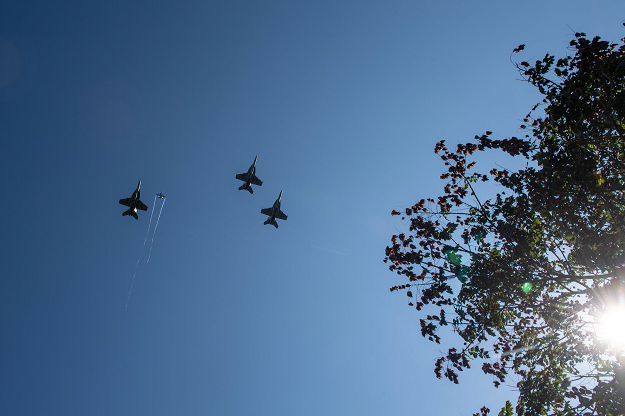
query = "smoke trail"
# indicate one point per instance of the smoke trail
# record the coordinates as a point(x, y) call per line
point(329, 250)
point(146, 234)
point(130, 291)
point(155, 227)
point(142, 247)
point(119, 331)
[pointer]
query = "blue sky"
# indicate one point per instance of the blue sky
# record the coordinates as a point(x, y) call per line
point(341, 101)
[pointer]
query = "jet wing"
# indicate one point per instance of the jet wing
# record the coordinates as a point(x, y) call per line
point(266, 211)
point(280, 215)
point(242, 176)
point(142, 206)
point(256, 181)
point(126, 201)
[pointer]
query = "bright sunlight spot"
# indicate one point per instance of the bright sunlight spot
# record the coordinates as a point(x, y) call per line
point(611, 326)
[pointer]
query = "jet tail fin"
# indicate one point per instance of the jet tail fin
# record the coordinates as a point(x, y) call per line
point(274, 223)
point(132, 213)
point(249, 188)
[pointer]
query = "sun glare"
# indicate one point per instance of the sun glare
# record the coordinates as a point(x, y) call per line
point(611, 327)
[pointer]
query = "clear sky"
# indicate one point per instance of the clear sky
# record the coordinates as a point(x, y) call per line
point(342, 101)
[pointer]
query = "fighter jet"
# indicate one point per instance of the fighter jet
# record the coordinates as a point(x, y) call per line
point(161, 196)
point(133, 203)
point(274, 212)
point(249, 178)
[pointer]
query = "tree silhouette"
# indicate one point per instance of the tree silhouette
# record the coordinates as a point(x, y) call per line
point(544, 259)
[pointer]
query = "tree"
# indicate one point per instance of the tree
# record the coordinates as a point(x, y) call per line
point(542, 262)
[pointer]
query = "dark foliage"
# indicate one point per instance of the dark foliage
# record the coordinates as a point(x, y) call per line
point(545, 256)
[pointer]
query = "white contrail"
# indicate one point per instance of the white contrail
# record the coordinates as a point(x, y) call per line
point(119, 331)
point(155, 227)
point(146, 234)
point(130, 291)
point(329, 250)
point(142, 247)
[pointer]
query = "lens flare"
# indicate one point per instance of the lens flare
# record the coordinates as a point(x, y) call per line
point(527, 287)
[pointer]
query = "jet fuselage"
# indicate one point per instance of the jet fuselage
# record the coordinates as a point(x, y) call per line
point(136, 196)
point(250, 174)
point(276, 205)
